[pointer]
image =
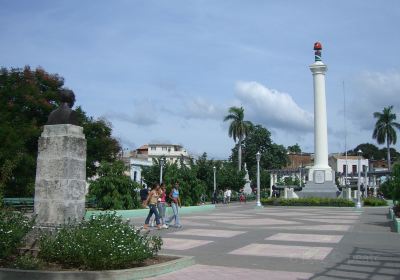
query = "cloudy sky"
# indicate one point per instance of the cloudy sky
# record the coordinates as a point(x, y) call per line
point(167, 71)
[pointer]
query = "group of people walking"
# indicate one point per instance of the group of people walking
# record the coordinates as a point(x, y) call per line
point(156, 201)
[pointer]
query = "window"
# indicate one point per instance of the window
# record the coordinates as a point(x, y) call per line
point(153, 148)
point(164, 148)
point(344, 168)
point(134, 175)
point(354, 168)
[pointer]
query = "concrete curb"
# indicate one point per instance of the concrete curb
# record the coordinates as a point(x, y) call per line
point(123, 274)
point(142, 213)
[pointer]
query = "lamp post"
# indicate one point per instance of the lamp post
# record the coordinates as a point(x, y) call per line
point(301, 166)
point(161, 169)
point(215, 180)
point(358, 205)
point(258, 157)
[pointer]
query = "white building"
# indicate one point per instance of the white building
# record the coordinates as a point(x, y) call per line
point(144, 156)
point(172, 153)
point(340, 164)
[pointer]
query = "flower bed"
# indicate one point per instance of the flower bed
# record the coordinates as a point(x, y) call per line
point(103, 242)
point(311, 201)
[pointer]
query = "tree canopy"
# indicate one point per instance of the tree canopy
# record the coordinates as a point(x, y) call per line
point(384, 130)
point(238, 128)
point(295, 149)
point(273, 156)
point(26, 99)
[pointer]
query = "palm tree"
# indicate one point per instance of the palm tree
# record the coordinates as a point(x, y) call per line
point(238, 129)
point(384, 129)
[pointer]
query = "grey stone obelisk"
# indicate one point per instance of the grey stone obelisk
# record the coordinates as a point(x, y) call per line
point(61, 167)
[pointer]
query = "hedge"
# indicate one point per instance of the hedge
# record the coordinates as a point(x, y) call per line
point(310, 201)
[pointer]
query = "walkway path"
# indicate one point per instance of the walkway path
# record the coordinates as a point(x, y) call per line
point(241, 242)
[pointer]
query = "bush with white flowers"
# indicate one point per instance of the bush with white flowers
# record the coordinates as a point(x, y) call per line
point(13, 228)
point(103, 242)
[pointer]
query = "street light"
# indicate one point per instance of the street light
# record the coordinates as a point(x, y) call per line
point(258, 157)
point(161, 169)
point(358, 205)
point(215, 181)
point(301, 166)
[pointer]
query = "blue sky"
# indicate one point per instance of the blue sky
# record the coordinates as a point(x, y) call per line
point(167, 71)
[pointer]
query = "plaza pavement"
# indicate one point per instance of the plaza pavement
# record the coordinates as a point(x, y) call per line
point(241, 242)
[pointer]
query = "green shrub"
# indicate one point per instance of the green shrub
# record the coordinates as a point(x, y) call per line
point(13, 228)
point(310, 201)
point(28, 262)
point(103, 242)
point(113, 189)
point(373, 201)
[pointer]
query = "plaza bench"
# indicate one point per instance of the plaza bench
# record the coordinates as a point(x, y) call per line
point(23, 203)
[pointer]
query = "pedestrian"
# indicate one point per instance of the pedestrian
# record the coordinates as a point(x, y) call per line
point(225, 196)
point(215, 197)
point(144, 192)
point(175, 204)
point(242, 197)
point(228, 195)
point(151, 202)
point(161, 205)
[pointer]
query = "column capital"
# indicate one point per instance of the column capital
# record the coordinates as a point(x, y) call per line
point(318, 68)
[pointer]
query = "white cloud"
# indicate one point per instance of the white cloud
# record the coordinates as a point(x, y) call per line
point(272, 108)
point(373, 91)
point(144, 113)
point(199, 108)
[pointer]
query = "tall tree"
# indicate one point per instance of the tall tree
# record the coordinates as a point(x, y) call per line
point(384, 130)
point(238, 128)
point(26, 99)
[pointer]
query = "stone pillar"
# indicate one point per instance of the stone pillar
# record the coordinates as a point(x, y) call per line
point(285, 192)
point(355, 194)
point(60, 175)
point(348, 193)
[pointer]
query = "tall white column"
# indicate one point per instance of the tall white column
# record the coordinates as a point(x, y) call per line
point(318, 70)
point(321, 177)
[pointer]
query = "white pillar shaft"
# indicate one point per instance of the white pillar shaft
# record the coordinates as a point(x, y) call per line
point(320, 118)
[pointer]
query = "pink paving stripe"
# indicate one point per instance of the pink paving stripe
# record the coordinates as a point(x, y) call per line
point(320, 238)
point(329, 220)
point(316, 227)
point(258, 222)
point(208, 272)
point(182, 244)
point(209, 232)
point(282, 251)
point(191, 223)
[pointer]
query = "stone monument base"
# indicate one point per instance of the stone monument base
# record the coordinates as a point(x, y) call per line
point(321, 184)
point(60, 176)
point(326, 190)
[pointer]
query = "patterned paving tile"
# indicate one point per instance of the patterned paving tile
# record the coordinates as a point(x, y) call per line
point(187, 222)
point(232, 214)
point(208, 272)
point(209, 232)
point(320, 238)
point(316, 227)
point(329, 221)
point(283, 251)
point(258, 222)
point(182, 244)
point(287, 214)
